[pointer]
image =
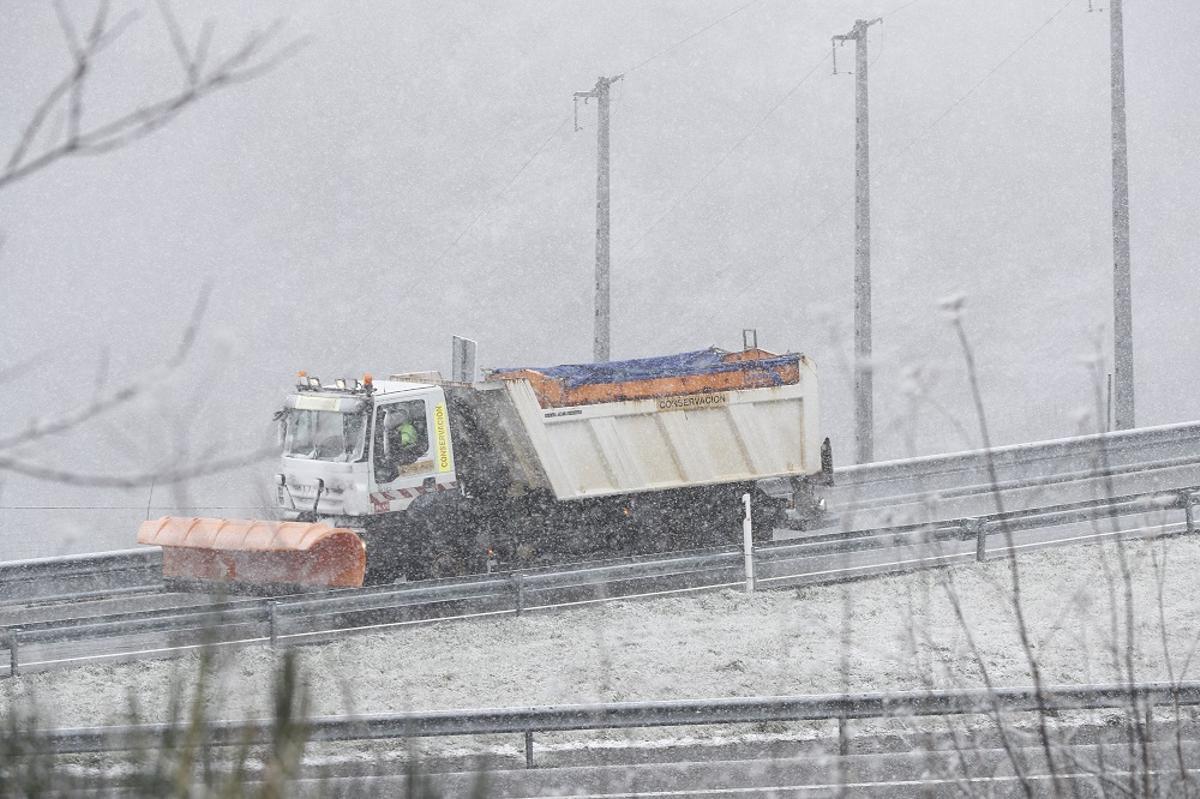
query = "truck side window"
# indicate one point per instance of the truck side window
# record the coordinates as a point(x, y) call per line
point(401, 438)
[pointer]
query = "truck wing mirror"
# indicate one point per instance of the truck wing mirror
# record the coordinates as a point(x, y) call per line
point(387, 444)
point(280, 418)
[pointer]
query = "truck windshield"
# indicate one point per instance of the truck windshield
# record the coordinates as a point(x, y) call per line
point(325, 435)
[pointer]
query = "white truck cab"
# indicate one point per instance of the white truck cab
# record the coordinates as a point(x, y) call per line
point(363, 450)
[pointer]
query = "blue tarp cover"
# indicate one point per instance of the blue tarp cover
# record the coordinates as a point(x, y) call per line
point(699, 362)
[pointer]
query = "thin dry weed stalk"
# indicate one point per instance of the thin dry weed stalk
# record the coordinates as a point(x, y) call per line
point(1140, 744)
point(1139, 774)
point(1136, 776)
point(175, 470)
point(180, 762)
point(954, 308)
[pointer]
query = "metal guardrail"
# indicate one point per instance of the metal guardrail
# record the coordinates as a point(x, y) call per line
point(673, 713)
point(1176, 444)
point(875, 484)
point(982, 528)
point(307, 617)
point(80, 576)
point(314, 617)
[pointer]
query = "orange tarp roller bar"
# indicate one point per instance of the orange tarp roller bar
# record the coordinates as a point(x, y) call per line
point(697, 372)
point(257, 552)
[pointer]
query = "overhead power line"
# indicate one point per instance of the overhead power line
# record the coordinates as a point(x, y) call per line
point(904, 7)
point(691, 36)
point(999, 65)
point(538, 151)
point(728, 153)
point(503, 190)
point(679, 198)
point(890, 163)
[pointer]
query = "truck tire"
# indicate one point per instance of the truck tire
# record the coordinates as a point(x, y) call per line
point(441, 539)
point(384, 542)
point(767, 513)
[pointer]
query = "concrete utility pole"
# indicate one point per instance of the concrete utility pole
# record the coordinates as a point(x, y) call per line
point(864, 400)
point(1122, 283)
point(600, 348)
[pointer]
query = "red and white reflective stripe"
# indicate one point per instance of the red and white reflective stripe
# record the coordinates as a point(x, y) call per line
point(385, 497)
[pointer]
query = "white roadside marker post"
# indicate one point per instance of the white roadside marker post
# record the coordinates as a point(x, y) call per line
point(748, 546)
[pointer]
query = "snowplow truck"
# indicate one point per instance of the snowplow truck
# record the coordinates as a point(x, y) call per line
point(416, 477)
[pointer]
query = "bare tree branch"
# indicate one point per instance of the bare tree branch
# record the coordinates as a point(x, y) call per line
point(101, 374)
point(68, 29)
point(11, 371)
point(181, 48)
point(202, 43)
point(137, 480)
point(106, 37)
point(249, 61)
point(121, 395)
point(36, 121)
point(52, 99)
point(256, 55)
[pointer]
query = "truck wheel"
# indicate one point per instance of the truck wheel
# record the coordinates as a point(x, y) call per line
point(384, 555)
point(447, 563)
point(726, 513)
point(441, 537)
point(767, 513)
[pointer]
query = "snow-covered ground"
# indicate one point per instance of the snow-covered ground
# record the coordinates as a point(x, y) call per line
point(891, 633)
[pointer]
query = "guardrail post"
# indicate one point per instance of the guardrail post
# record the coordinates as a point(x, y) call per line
point(272, 622)
point(14, 646)
point(978, 529)
point(843, 736)
point(529, 749)
point(748, 545)
point(519, 587)
point(1188, 515)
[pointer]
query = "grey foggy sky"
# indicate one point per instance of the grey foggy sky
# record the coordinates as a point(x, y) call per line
point(319, 198)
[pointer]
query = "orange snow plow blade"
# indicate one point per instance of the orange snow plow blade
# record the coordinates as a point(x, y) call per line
point(257, 553)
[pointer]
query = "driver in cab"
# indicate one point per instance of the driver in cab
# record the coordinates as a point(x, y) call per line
point(400, 436)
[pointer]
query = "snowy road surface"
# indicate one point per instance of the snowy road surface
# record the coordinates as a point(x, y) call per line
point(891, 633)
point(806, 562)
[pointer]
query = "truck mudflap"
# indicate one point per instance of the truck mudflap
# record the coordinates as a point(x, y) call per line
point(257, 553)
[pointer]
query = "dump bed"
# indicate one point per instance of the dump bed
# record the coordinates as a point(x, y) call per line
point(589, 430)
